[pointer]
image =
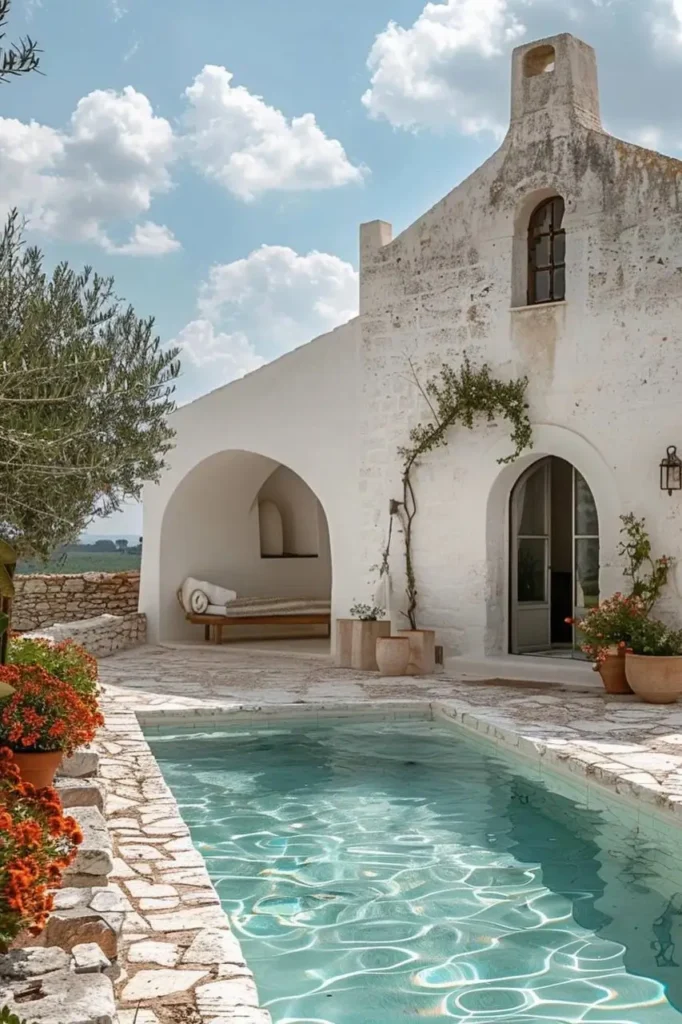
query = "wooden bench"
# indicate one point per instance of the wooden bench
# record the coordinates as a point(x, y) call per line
point(214, 624)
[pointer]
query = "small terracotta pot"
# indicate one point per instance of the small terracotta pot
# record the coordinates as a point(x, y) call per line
point(393, 655)
point(654, 680)
point(612, 672)
point(38, 769)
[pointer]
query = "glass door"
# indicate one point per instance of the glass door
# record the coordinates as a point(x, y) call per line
point(530, 576)
point(585, 554)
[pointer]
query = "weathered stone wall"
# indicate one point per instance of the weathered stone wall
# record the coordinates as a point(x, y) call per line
point(43, 600)
point(101, 636)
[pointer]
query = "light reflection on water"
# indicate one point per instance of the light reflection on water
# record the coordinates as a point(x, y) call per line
point(387, 872)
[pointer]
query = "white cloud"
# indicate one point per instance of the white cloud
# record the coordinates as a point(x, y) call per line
point(106, 167)
point(147, 239)
point(667, 24)
point(419, 74)
point(257, 308)
point(205, 346)
point(450, 69)
point(249, 147)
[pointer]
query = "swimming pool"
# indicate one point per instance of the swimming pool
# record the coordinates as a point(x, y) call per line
point(392, 871)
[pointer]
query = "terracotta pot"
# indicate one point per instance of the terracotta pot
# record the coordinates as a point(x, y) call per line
point(612, 672)
point(38, 769)
point(393, 655)
point(422, 651)
point(654, 680)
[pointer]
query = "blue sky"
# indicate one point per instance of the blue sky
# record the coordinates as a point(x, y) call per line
point(218, 158)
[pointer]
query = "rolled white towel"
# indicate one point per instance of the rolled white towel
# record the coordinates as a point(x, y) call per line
point(213, 594)
point(218, 595)
point(198, 602)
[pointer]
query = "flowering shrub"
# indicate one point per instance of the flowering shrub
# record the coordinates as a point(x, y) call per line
point(610, 624)
point(36, 843)
point(655, 639)
point(44, 713)
point(649, 575)
point(66, 660)
point(367, 612)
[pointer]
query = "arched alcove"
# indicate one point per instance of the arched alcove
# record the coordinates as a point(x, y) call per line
point(271, 529)
point(540, 60)
point(299, 513)
point(212, 530)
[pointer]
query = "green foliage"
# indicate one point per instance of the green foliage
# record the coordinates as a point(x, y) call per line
point(456, 397)
point(66, 660)
point(653, 638)
point(367, 612)
point(7, 1017)
point(85, 391)
point(72, 562)
point(18, 58)
point(648, 575)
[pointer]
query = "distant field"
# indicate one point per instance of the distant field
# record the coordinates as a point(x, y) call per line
point(84, 561)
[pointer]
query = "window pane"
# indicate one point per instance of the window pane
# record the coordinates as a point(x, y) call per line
point(559, 283)
point(542, 285)
point(532, 571)
point(542, 219)
point(558, 210)
point(586, 518)
point(532, 498)
point(542, 254)
point(586, 573)
point(560, 248)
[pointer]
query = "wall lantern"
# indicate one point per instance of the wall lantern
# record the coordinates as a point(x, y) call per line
point(671, 471)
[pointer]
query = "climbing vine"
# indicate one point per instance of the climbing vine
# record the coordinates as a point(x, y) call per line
point(454, 397)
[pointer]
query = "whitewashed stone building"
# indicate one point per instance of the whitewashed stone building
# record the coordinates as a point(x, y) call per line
point(560, 259)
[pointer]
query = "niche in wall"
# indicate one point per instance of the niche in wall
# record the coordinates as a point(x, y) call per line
point(288, 516)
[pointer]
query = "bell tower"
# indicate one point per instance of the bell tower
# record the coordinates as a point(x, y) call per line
point(554, 83)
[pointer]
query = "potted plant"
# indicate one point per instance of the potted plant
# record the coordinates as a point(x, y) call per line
point(653, 662)
point(356, 637)
point(36, 843)
point(41, 719)
point(606, 631)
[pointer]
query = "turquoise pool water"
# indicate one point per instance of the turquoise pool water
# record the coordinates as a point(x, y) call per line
point(387, 873)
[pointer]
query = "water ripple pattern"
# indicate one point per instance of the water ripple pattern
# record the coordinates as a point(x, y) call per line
point(391, 873)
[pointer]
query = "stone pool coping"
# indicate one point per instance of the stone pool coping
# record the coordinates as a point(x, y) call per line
point(181, 962)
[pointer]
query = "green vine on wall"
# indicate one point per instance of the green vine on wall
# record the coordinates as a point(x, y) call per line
point(454, 397)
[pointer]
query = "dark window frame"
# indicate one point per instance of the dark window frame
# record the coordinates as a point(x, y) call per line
point(540, 228)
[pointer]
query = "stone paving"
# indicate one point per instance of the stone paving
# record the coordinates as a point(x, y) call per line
point(179, 960)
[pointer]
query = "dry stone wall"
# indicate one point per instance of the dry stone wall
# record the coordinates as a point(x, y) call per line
point(101, 636)
point(41, 600)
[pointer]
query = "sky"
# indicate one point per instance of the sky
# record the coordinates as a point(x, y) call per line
point(217, 157)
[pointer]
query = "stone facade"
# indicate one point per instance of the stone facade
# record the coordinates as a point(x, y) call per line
point(602, 361)
point(101, 636)
point(41, 600)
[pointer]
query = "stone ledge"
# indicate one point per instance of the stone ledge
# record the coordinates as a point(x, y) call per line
point(83, 764)
point(75, 792)
point(94, 860)
point(62, 997)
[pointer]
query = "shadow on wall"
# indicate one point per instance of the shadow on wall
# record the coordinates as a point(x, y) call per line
point(247, 523)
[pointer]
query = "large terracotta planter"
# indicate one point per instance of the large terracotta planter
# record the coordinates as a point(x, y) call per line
point(654, 680)
point(356, 643)
point(393, 655)
point(422, 651)
point(612, 672)
point(38, 769)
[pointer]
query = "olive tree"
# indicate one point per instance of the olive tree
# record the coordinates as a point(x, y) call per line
point(85, 392)
point(17, 58)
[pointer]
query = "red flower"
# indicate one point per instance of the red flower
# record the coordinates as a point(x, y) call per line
point(44, 713)
point(36, 843)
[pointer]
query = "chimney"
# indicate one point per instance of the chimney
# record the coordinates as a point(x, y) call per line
point(554, 82)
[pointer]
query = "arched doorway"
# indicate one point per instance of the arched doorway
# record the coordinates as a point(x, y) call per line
point(554, 558)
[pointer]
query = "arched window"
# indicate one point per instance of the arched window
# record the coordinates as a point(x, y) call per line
point(547, 253)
